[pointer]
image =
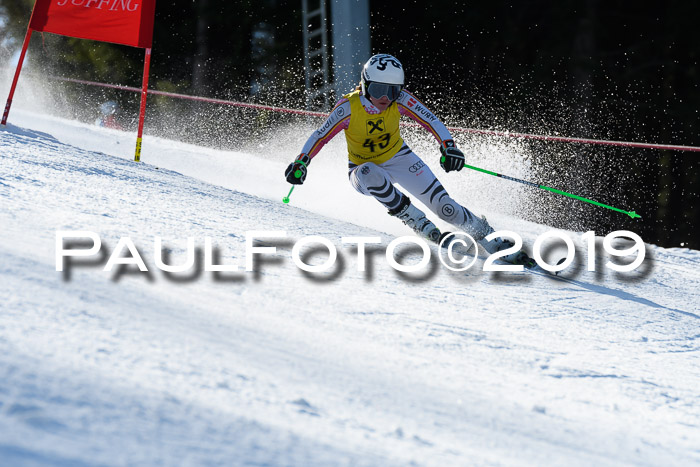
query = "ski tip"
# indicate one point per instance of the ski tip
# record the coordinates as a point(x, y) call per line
point(634, 215)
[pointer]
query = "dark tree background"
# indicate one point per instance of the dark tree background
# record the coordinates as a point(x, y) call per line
point(614, 70)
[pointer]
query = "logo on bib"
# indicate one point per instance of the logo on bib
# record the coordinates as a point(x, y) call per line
point(375, 125)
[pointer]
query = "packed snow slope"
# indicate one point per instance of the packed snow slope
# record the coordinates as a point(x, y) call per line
point(278, 366)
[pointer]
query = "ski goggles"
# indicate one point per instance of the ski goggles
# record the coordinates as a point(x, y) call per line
point(379, 90)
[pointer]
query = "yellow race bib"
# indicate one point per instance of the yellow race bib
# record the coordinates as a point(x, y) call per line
point(372, 137)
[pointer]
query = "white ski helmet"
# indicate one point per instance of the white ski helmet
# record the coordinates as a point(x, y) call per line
point(382, 69)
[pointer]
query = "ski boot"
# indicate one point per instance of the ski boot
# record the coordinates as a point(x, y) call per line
point(483, 229)
point(416, 220)
point(499, 244)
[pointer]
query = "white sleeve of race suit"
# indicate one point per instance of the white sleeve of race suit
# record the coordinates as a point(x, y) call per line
point(338, 120)
point(411, 107)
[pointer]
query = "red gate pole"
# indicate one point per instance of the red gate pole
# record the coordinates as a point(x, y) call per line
point(14, 81)
point(142, 111)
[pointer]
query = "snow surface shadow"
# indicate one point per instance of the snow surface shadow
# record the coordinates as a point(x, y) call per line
point(14, 455)
point(599, 289)
point(15, 130)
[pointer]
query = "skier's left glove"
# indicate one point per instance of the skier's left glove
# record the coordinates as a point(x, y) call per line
point(296, 171)
point(451, 158)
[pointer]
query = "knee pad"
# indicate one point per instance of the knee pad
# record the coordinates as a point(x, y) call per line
point(368, 176)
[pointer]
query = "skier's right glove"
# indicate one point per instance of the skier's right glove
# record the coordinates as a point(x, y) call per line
point(451, 158)
point(296, 171)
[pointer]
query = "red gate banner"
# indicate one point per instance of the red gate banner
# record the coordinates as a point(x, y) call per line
point(128, 22)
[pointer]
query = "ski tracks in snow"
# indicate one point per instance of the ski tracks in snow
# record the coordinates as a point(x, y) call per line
point(282, 367)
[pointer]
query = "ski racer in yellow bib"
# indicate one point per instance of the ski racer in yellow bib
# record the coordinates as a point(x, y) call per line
point(379, 158)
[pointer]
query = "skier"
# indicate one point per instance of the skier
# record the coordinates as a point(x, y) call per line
point(108, 116)
point(378, 156)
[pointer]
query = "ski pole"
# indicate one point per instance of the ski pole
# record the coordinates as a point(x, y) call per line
point(285, 200)
point(632, 214)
